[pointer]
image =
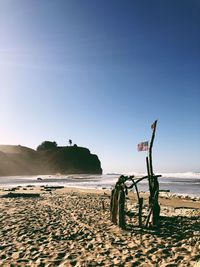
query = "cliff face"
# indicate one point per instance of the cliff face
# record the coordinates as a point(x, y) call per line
point(71, 159)
point(19, 160)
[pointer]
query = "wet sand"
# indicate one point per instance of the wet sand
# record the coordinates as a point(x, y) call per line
point(72, 227)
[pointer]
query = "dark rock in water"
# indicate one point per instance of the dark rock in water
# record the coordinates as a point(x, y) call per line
point(53, 187)
point(20, 160)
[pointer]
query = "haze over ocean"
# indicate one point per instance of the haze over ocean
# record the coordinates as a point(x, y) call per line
point(99, 73)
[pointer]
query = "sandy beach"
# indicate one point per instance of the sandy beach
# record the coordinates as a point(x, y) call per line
point(72, 227)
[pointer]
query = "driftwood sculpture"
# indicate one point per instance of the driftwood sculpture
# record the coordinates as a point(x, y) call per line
point(118, 196)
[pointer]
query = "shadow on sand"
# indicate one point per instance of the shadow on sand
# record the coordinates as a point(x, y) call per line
point(176, 228)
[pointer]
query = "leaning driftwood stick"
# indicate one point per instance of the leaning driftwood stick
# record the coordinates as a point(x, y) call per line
point(149, 180)
point(111, 204)
point(148, 170)
point(121, 206)
point(156, 206)
point(114, 206)
point(154, 200)
point(140, 211)
point(148, 217)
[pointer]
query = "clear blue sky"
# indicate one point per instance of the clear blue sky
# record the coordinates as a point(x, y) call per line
point(99, 73)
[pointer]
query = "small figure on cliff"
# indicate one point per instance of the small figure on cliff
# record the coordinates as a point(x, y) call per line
point(70, 142)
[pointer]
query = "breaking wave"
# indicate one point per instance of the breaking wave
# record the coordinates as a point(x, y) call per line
point(190, 175)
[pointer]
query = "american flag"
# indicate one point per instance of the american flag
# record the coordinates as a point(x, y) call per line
point(143, 146)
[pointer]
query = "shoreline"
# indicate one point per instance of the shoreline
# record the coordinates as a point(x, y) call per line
point(162, 193)
point(72, 227)
point(189, 187)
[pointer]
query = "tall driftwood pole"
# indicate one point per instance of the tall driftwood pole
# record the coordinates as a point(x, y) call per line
point(150, 147)
point(153, 182)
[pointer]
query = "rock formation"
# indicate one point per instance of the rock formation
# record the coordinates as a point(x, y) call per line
point(20, 160)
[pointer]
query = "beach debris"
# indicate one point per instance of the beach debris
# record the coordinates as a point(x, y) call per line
point(13, 195)
point(53, 187)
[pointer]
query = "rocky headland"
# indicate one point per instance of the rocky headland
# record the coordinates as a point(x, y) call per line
point(47, 159)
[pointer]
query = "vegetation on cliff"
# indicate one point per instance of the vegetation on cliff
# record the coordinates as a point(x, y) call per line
point(47, 159)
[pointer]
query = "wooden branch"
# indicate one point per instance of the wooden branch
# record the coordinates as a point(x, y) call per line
point(114, 205)
point(152, 206)
point(121, 207)
point(140, 211)
point(150, 148)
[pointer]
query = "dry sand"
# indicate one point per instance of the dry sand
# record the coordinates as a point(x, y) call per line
point(72, 227)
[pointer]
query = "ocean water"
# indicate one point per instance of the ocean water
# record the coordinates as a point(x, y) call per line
point(178, 183)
